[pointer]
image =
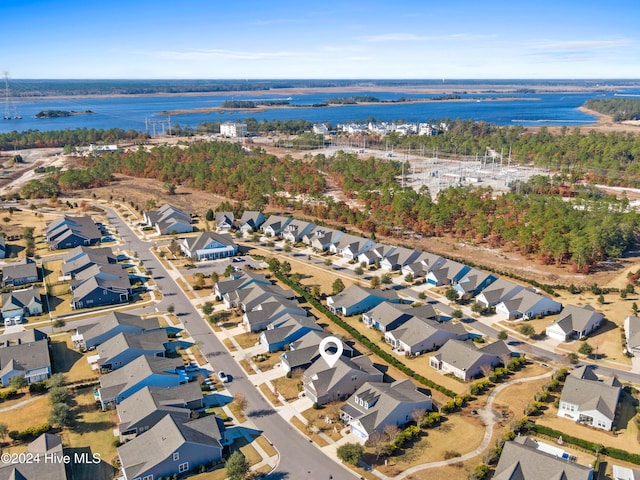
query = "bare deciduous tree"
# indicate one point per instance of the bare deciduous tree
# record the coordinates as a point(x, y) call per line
point(391, 431)
point(417, 415)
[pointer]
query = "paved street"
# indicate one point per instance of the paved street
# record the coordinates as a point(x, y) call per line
point(299, 458)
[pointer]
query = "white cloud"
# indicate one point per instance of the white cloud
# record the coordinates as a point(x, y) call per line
point(220, 54)
point(410, 37)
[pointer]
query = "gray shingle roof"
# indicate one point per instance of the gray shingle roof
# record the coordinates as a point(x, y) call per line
point(25, 268)
point(204, 238)
point(147, 341)
point(583, 388)
point(576, 318)
point(20, 298)
point(25, 356)
point(521, 462)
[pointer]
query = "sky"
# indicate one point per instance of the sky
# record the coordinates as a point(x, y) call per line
point(346, 39)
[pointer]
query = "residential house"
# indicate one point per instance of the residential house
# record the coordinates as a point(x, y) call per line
point(465, 361)
point(419, 335)
point(625, 473)
point(303, 352)
point(49, 461)
point(80, 258)
point(275, 225)
point(251, 297)
point(144, 371)
point(287, 329)
point(100, 285)
point(19, 273)
point(169, 220)
point(350, 246)
point(70, 232)
point(22, 303)
point(523, 458)
point(587, 399)
point(472, 282)
point(423, 264)
point(398, 258)
point(320, 129)
point(149, 405)
point(172, 447)
point(375, 405)
point(575, 322)
point(528, 304)
point(3, 247)
point(269, 311)
point(447, 273)
point(497, 292)
point(108, 326)
point(23, 336)
point(250, 221)
point(209, 246)
point(296, 230)
point(356, 299)
point(323, 383)
point(321, 238)
point(30, 360)
point(126, 346)
point(376, 254)
point(632, 334)
point(238, 281)
point(224, 221)
point(388, 316)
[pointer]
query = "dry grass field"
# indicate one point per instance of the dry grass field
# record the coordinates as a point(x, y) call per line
point(70, 362)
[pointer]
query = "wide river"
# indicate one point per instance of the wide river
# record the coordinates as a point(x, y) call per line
point(529, 109)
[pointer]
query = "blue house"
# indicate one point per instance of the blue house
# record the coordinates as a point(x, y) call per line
point(473, 282)
point(287, 329)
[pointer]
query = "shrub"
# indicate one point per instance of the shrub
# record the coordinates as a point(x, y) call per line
point(350, 452)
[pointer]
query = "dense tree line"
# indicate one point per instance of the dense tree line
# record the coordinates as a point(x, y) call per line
point(60, 138)
point(620, 108)
point(218, 167)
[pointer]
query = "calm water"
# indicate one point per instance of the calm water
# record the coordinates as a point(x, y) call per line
point(130, 113)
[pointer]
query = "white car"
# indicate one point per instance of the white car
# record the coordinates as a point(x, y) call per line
point(223, 377)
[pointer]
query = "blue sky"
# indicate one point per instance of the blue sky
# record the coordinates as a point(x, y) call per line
point(245, 39)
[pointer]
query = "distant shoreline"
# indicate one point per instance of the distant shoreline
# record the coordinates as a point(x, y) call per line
point(264, 108)
point(408, 88)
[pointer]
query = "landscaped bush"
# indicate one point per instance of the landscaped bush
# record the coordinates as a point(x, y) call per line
point(29, 433)
point(7, 394)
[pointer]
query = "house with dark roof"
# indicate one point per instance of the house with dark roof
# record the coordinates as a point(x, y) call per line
point(423, 264)
point(250, 221)
point(375, 405)
point(46, 446)
point(19, 273)
point(80, 258)
point(224, 221)
point(70, 232)
point(169, 220)
point(286, 329)
point(323, 383)
point(632, 334)
point(270, 311)
point(149, 405)
point(376, 254)
point(3, 247)
point(303, 352)
point(575, 322)
point(528, 304)
point(209, 246)
point(389, 316)
point(523, 458)
point(275, 225)
point(252, 296)
point(419, 335)
point(238, 281)
point(465, 361)
point(172, 447)
point(100, 285)
point(124, 347)
point(589, 400)
point(144, 371)
point(30, 360)
point(356, 299)
point(108, 326)
point(351, 246)
point(22, 303)
point(472, 282)
point(23, 336)
point(398, 258)
point(296, 230)
point(499, 291)
point(447, 273)
point(321, 238)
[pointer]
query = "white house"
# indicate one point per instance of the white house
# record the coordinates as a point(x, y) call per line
point(587, 399)
point(209, 246)
point(233, 130)
point(527, 304)
point(632, 334)
point(575, 322)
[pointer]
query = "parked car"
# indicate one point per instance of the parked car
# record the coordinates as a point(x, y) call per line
point(223, 377)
